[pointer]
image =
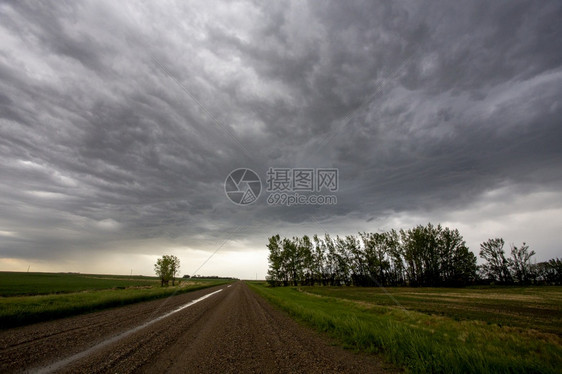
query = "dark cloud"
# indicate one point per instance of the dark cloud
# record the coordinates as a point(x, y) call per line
point(120, 122)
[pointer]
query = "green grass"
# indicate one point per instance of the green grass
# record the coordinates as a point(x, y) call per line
point(22, 284)
point(537, 308)
point(35, 297)
point(430, 336)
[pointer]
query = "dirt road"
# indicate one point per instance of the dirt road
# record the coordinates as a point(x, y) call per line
point(226, 330)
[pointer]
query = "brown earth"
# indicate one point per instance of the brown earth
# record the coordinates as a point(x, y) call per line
point(232, 331)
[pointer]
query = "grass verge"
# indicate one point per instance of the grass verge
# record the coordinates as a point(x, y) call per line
point(421, 342)
point(23, 310)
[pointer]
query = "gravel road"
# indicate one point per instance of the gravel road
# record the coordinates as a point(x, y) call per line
point(231, 331)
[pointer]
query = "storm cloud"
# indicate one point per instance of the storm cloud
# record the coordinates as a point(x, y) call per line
point(120, 121)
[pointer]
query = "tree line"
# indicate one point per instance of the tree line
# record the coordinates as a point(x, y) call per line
point(518, 268)
point(421, 256)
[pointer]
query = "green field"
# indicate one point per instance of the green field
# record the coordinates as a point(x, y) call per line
point(33, 297)
point(23, 284)
point(445, 330)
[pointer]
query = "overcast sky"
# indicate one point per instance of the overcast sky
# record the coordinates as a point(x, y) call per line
point(120, 121)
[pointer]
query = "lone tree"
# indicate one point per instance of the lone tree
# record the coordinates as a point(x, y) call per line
point(166, 268)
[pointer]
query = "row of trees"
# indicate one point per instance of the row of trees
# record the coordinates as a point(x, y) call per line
point(518, 268)
point(422, 256)
point(209, 277)
point(549, 272)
